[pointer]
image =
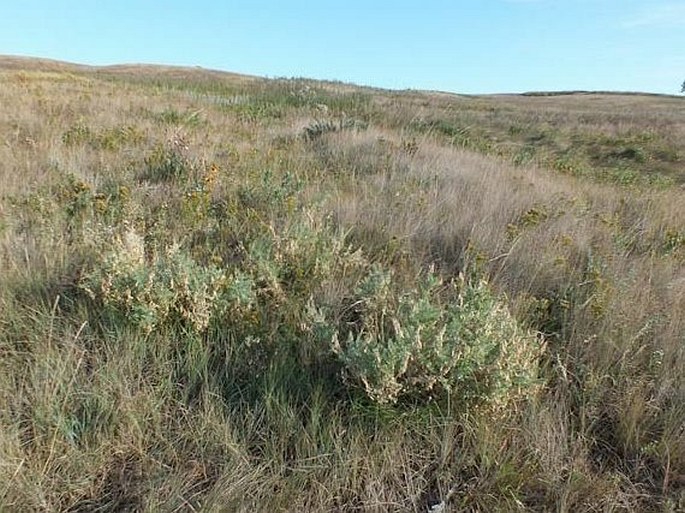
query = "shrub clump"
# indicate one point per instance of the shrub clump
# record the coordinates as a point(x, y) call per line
point(322, 127)
point(438, 338)
point(152, 291)
point(422, 341)
point(169, 162)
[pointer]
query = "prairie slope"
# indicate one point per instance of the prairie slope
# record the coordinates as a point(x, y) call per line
point(222, 292)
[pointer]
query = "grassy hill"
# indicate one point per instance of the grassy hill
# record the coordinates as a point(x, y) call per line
point(227, 293)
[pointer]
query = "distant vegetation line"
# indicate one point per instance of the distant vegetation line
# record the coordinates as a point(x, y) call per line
point(602, 92)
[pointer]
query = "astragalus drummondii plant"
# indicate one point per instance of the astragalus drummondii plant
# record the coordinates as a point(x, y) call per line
point(438, 338)
point(169, 287)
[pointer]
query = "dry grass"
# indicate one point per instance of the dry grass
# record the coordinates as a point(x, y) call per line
point(97, 415)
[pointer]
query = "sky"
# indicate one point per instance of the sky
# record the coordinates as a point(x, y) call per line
point(462, 46)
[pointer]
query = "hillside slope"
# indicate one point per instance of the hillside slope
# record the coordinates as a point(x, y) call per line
point(222, 292)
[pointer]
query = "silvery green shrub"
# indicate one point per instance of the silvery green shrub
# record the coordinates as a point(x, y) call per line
point(167, 288)
point(437, 338)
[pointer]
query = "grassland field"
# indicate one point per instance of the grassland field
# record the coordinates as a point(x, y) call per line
point(228, 293)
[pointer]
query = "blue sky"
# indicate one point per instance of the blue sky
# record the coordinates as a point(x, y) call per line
point(474, 46)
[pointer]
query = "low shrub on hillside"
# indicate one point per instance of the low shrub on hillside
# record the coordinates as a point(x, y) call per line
point(168, 162)
point(322, 127)
point(417, 342)
point(149, 292)
point(437, 338)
